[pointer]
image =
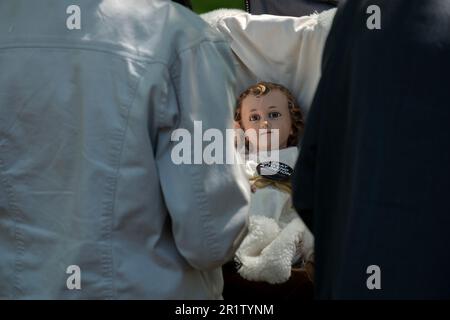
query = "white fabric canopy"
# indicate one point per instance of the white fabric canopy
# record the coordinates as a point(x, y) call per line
point(285, 50)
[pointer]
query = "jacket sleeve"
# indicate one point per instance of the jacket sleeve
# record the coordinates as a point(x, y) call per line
point(207, 202)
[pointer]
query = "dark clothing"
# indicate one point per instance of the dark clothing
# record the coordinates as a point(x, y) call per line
point(186, 3)
point(375, 161)
point(298, 287)
point(296, 8)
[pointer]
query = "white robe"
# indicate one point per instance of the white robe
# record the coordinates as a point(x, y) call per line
point(285, 50)
point(277, 236)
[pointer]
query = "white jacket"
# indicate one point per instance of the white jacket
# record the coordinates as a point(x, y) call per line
point(86, 175)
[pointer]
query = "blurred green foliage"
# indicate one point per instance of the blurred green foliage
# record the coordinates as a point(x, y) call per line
point(202, 6)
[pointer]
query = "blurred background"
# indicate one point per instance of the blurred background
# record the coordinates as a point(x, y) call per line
point(296, 8)
point(202, 6)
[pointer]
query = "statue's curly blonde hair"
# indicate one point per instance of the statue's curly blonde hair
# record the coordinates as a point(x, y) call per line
point(263, 88)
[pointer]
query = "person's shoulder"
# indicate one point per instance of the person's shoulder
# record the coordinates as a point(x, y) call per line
point(158, 30)
point(188, 29)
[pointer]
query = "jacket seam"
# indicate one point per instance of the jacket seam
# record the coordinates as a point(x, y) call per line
point(18, 236)
point(194, 46)
point(114, 180)
point(200, 195)
point(124, 54)
point(199, 43)
point(205, 216)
